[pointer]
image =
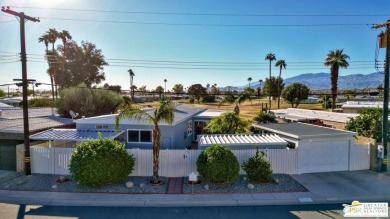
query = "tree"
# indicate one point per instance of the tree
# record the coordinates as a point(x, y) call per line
point(295, 93)
point(85, 64)
point(349, 93)
point(281, 64)
point(165, 81)
point(159, 90)
point(178, 89)
point(231, 99)
point(227, 123)
point(143, 90)
point(116, 88)
point(88, 102)
point(45, 39)
point(326, 101)
point(368, 123)
point(65, 37)
point(207, 86)
point(336, 60)
point(275, 85)
point(249, 80)
point(131, 73)
point(265, 118)
point(197, 91)
point(2, 93)
point(163, 113)
point(270, 57)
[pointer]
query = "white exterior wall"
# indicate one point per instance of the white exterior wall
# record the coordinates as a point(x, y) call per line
point(324, 154)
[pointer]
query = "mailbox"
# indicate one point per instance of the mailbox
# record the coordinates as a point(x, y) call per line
point(193, 177)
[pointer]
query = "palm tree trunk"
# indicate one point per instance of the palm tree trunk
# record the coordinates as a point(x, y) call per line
point(269, 88)
point(278, 84)
point(334, 74)
point(156, 152)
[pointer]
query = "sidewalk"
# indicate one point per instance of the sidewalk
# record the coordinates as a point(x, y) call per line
point(324, 188)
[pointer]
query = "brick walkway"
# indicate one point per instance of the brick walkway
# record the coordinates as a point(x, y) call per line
point(175, 186)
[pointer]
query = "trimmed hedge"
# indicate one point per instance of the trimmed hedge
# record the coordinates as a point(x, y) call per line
point(257, 168)
point(218, 164)
point(100, 162)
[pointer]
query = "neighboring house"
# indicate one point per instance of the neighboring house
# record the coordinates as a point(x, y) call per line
point(243, 141)
point(328, 119)
point(12, 130)
point(14, 101)
point(310, 100)
point(5, 106)
point(355, 106)
point(320, 149)
point(134, 134)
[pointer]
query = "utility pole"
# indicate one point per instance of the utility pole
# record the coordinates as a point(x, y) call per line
point(22, 19)
point(385, 96)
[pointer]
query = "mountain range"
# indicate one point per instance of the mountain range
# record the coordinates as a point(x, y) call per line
point(321, 81)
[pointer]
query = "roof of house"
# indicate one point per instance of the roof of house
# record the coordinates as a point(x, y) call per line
point(5, 106)
point(242, 139)
point(182, 112)
point(295, 114)
point(73, 135)
point(208, 114)
point(362, 104)
point(35, 124)
point(16, 112)
point(299, 130)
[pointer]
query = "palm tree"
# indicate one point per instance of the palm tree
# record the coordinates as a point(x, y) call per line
point(271, 57)
point(231, 99)
point(164, 113)
point(281, 64)
point(53, 36)
point(335, 59)
point(260, 86)
point(64, 36)
point(249, 79)
point(208, 86)
point(131, 73)
point(45, 39)
point(165, 89)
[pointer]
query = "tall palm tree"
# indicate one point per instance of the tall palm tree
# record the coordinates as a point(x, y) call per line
point(53, 36)
point(249, 79)
point(64, 36)
point(165, 89)
point(270, 57)
point(281, 64)
point(163, 113)
point(260, 86)
point(45, 39)
point(231, 99)
point(131, 73)
point(208, 86)
point(336, 60)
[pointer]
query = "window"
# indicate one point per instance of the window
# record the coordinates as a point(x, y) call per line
point(142, 136)
point(101, 126)
point(189, 128)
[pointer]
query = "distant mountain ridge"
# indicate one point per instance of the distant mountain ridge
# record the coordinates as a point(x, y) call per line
point(321, 81)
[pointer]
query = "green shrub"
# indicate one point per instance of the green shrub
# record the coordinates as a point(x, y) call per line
point(100, 162)
point(40, 102)
point(218, 164)
point(257, 168)
point(192, 100)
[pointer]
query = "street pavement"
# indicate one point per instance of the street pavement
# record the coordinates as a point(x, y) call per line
point(323, 188)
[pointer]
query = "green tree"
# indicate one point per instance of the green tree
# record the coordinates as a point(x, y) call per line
point(336, 60)
point(163, 113)
point(270, 57)
point(159, 90)
point(2, 93)
point(85, 64)
point(326, 101)
point(275, 85)
point(88, 102)
point(295, 93)
point(131, 73)
point(232, 99)
point(197, 91)
point(368, 123)
point(349, 93)
point(249, 80)
point(178, 89)
point(227, 123)
point(45, 38)
point(281, 64)
point(264, 118)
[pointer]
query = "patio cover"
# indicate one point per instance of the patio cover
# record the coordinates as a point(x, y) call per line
point(73, 135)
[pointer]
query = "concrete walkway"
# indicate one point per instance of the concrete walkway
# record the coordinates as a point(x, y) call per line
point(324, 188)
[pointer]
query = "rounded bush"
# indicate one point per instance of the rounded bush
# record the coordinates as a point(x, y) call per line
point(257, 168)
point(218, 164)
point(100, 162)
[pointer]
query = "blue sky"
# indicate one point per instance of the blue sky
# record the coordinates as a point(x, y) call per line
point(224, 47)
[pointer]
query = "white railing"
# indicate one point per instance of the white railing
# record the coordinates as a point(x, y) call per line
point(180, 163)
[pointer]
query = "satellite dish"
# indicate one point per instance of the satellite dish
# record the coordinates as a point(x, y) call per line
point(73, 114)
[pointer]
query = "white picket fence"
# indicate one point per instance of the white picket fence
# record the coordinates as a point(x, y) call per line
point(173, 163)
point(180, 163)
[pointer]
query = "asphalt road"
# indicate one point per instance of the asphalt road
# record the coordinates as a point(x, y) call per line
point(8, 211)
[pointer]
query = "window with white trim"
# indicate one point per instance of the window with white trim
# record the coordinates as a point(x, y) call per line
point(189, 128)
point(141, 136)
point(101, 126)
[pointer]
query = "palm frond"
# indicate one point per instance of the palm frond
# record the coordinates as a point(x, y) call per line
point(132, 113)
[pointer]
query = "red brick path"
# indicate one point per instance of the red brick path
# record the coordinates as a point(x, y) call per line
point(175, 186)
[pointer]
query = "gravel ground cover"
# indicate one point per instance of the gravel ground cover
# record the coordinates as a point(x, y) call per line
point(47, 182)
point(285, 184)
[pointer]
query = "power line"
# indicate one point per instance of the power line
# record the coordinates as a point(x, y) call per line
point(205, 14)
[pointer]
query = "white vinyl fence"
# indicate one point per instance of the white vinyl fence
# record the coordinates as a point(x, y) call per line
point(173, 163)
point(180, 163)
